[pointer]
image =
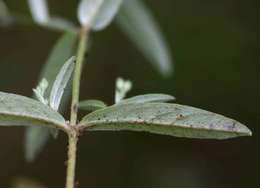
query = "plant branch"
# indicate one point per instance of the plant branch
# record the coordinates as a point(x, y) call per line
point(73, 132)
point(77, 76)
point(71, 164)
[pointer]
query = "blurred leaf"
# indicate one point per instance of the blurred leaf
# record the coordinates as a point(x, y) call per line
point(122, 88)
point(148, 98)
point(106, 14)
point(167, 119)
point(137, 22)
point(92, 105)
point(97, 14)
point(87, 11)
point(60, 83)
point(63, 50)
point(5, 16)
point(60, 24)
point(39, 10)
point(23, 111)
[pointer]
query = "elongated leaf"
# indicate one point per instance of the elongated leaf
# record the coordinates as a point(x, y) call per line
point(39, 10)
point(106, 14)
point(22, 111)
point(5, 16)
point(137, 22)
point(97, 14)
point(63, 50)
point(163, 118)
point(148, 98)
point(60, 24)
point(87, 11)
point(60, 83)
point(92, 105)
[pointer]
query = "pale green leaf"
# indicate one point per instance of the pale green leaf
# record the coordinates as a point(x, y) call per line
point(137, 22)
point(60, 83)
point(60, 24)
point(5, 16)
point(148, 98)
point(63, 49)
point(23, 111)
point(106, 14)
point(97, 14)
point(92, 105)
point(167, 119)
point(39, 10)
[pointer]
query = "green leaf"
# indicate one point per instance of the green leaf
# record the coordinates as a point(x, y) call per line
point(5, 16)
point(148, 98)
point(97, 14)
point(167, 119)
point(23, 111)
point(92, 105)
point(137, 22)
point(60, 83)
point(59, 24)
point(63, 50)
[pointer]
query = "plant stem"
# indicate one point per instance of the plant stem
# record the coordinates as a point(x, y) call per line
point(73, 131)
point(71, 164)
point(77, 76)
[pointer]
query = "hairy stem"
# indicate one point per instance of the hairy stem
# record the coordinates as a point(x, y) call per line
point(77, 76)
point(71, 164)
point(73, 131)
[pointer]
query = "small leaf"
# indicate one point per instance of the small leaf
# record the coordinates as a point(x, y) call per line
point(39, 11)
point(40, 91)
point(60, 83)
point(22, 111)
point(137, 22)
point(122, 88)
point(63, 49)
point(92, 105)
point(97, 14)
point(163, 118)
point(148, 98)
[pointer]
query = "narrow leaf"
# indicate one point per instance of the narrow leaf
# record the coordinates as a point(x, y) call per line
point(5, 16)
point(22, 111)
point(92, 105)
point(63, 50)
point(106, 14)
point(163, 118)
point(137, 22)
point(60, 83)
point(87, 11)
point(39, 11)
point(60, 24)
point(97, 14)
point(148, 98)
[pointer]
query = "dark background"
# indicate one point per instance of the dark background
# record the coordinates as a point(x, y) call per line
point(215, 45)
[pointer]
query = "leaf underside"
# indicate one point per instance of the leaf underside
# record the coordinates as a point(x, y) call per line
point(138, 23)
point(167, 119)
point(22, 111)
point(148, 98)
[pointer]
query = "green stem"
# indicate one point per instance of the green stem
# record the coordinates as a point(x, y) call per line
point(77, 75)
point(73, 131)
point(71, 164)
